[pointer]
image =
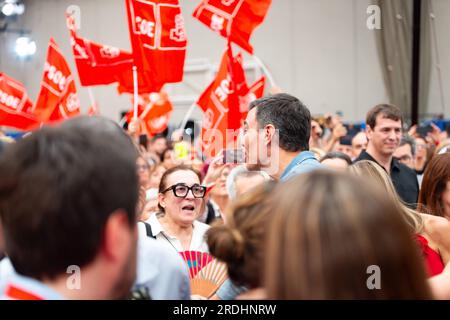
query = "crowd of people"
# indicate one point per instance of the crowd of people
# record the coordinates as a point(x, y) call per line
point(327, 211)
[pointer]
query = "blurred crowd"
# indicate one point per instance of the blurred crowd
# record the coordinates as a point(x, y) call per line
point(344, 212)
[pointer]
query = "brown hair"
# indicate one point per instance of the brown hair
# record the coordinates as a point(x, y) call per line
point(329, 228)
point(388, 111)
point(434, 183)
point(371, 170)
point(239, 243)
point(163, 183)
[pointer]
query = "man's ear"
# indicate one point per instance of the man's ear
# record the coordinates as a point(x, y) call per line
point(116, 236)
point(369, 132)
point(269, 133)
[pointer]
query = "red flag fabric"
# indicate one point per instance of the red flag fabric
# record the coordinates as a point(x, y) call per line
point(233, 19)
point(145, 83)
point(255, 91)
point(220, 103)
point(58, 97)
point(15, 105)
point(158, 38)
point(97, 64)
point(154, 111)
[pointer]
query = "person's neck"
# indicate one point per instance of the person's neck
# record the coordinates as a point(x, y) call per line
point(419, 163)
point(285, 159)
point(221, 201)
point(175, 229)
point(384, 160)
point(90, 285)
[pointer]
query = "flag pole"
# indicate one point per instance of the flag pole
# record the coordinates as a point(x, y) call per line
point(265, 70)
point(135, 83)
point(92, 99)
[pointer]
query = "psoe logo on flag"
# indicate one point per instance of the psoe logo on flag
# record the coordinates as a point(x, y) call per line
point(217, 23)
point(145, 27)
point(72, 102)
point(109, 52)
point(9, 100)
point(55, 76)
point(80, 51)
point(178, 33)
point(223, 90)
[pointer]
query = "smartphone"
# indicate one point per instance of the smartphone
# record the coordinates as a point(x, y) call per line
point(233, 156)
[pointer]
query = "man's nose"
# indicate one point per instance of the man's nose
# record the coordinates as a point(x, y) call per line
point(392, 135)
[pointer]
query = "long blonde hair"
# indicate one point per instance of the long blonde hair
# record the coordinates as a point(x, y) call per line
point(372, 170)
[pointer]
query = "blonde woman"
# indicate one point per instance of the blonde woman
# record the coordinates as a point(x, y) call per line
point(432, 232)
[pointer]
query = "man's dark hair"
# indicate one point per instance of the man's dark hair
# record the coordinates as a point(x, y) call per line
point(58, 188)
point(388, 111)
point(337, 155)
point(287, 114)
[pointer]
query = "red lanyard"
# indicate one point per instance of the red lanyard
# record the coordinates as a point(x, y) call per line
point(16, 293)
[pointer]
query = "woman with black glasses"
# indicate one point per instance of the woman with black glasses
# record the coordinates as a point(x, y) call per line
point(180, 202)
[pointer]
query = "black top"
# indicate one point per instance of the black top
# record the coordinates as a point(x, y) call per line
point(403, 178)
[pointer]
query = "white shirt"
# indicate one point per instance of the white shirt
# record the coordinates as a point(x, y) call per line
point(198, 241)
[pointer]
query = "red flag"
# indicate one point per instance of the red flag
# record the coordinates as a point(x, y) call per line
point(145, 83)
point(154, 111)
point(58, 97)
point(15, 105)
point(233, 19)
point(158, 38)
point(255, 91)
point(220, 104)
point(97, 64)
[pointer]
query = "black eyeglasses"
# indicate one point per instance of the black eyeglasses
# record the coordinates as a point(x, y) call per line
point(181, 190)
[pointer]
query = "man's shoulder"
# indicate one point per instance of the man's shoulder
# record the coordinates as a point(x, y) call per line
point(363, 156)
point(305, 166)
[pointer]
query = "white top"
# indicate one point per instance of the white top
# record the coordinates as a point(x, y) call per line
point(198, 241)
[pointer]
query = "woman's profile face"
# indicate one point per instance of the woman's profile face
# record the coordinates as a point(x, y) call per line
point(220, 189)
point(181, 210)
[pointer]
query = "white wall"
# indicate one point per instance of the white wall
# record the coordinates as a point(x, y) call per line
point(319, 50)
point(442, 22)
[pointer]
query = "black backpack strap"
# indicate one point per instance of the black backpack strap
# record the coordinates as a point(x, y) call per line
point(148, 230)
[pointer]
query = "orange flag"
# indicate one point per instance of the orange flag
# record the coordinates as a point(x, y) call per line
point(58, 97)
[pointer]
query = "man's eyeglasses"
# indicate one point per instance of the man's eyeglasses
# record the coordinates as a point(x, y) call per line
point(181, 190)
